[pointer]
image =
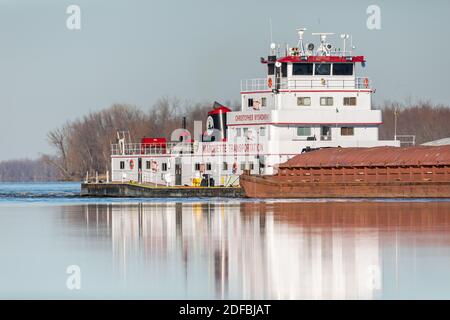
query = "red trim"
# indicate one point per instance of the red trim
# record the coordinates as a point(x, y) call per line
point(298, 123)
point(330, 59)
point(285, 90)
point(219, 110)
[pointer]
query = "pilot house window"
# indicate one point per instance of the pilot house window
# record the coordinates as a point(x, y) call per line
point(250, 103)
point(322, 69)
point(342, 69)
point(302, 69)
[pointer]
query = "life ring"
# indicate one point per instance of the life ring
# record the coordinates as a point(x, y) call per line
point(366, 82)
point(269, 83)
point(131, 164)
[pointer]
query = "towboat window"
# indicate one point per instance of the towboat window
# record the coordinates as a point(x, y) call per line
point(284, 69)
point(350, 101)
point(347, 131)
point(164, 166)
point(245, 132)
point(148, 165)
point(303, 101)
point(225, 166)
point(326, 101)
point(238, 132)
point(302, 69)
point(250, 103)
point(262, 131)
point(122, 164)
point(208, 166)
point(197, 166)
point(303, 131)
point(343, 69)
point(271, 69)
point(263, 102)
point(322, 69)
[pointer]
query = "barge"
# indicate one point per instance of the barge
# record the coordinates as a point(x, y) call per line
point(380, 172)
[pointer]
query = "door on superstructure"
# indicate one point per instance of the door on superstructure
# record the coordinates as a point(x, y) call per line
point(139, 170)
point(325, 133)
point(178, 172)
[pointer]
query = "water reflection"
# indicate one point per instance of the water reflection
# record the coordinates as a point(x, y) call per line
point(341, 250)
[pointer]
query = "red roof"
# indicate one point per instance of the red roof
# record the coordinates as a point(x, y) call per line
point(322, 59)
point(151, 140)
point(221, 109)
point(377, 156)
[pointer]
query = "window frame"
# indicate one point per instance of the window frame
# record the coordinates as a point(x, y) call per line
point(262, 131)
point(164, 166)
point(304, 135)
point(349, 99)
point(263, 102)
point(303, 99)
point(347, 134)
point(122, 165)
point(343, 63)
point(319, 65)
point(327, 104)
point(294, 65)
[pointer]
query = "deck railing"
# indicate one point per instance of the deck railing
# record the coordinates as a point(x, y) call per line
point(153, 148)
point(259, 84)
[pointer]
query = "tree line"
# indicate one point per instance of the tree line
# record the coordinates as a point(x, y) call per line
point(84, 145)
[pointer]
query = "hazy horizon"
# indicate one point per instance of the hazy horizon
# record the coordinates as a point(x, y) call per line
point(135, 52)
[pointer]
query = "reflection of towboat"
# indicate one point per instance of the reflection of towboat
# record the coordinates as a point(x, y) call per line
point(418, 172)
point(310, 97)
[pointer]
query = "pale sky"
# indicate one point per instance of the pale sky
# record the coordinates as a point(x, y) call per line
point(131, 51)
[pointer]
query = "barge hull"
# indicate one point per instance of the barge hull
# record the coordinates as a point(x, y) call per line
point(267, 187)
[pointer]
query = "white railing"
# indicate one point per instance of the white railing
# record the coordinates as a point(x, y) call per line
point(153, 148)
point(260, 84)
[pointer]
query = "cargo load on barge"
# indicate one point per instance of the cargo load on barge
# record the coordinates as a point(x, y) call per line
point(378, 172)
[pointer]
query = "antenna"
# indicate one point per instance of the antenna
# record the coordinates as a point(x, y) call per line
point(324, 47)
point(344, 37)
point(270, 26)
point(300, 32)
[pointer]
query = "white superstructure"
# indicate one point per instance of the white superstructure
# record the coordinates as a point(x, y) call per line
point(309, 98)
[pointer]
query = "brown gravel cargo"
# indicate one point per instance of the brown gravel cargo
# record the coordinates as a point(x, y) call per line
point(386, 172)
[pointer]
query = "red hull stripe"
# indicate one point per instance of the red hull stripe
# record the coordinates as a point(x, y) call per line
point(323, 59)
point(207, 155)
point(270, 91)
point(300, 123)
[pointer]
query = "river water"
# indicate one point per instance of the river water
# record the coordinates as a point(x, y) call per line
point(219, 248)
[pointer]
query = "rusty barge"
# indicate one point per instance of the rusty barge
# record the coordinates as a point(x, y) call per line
point(379, 172)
